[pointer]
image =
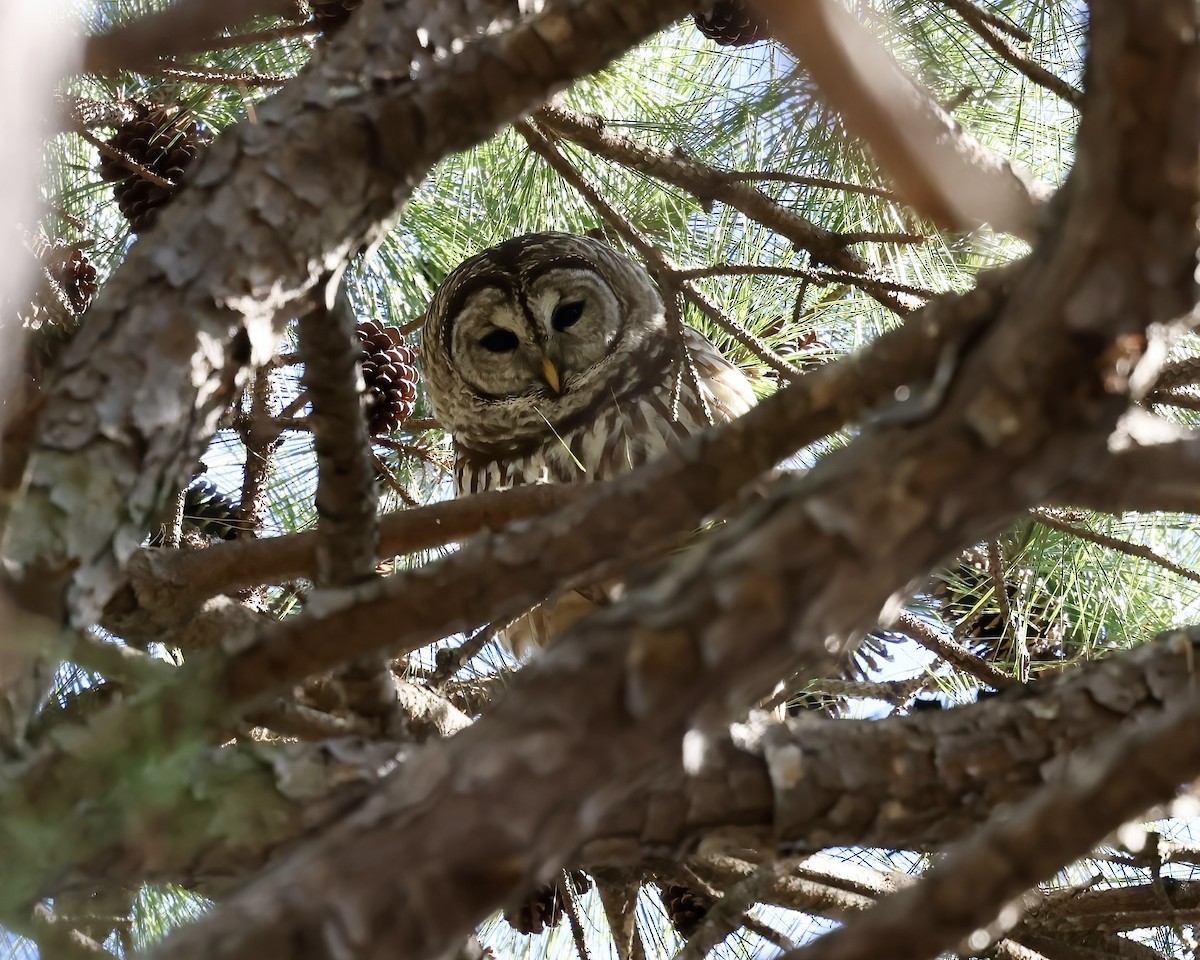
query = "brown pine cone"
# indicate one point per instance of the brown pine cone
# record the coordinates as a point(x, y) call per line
point(164, 142)
point(390, 373)
point(732, 24)
point(543, 908)
point(686, 908)
point(73, 271)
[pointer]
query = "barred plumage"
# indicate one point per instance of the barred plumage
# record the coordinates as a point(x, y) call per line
point(549, 358)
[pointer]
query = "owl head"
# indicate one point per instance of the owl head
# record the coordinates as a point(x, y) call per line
point(536, 333)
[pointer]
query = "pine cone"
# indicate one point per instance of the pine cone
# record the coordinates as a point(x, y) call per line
point(163, 141)
point(685, 907)
point(390, 372)
point(210, 510)
point(543, 908)
point(332, 15)
point(70, 268)
point(732, 24)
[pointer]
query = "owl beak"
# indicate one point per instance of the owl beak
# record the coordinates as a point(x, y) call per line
point(550, 372)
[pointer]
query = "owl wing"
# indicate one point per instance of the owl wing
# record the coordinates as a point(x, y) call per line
point(541, 625)
point(635, 431)
point(726, 388)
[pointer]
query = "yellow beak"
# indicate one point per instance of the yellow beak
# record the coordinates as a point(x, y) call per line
point(550, 372)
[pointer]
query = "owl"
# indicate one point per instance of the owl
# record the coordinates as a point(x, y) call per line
point(550, 358)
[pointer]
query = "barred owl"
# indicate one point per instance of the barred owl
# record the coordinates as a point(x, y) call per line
point(550, 357)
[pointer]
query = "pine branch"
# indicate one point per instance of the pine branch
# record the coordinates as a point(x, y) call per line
point(234, 565)
point(261, 440)
point(1146, 479)
point(806, 180)
point(198, 73)
point(184, 27)
point(347, 530)
point(1142, 552)
point(747, 786)
point(988, 27)
point(964, 893)
point(657, 261)
point(707, 184)
point(945, 173)
point(346, 501)
point(137, 169)
point(954, 653)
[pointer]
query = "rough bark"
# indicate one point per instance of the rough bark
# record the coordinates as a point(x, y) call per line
point(919, 781)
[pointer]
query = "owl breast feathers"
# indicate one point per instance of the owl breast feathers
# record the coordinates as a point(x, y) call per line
point(549, 357)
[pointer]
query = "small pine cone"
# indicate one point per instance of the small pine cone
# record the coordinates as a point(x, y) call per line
point(390, 373)
point(71, 270)
point(543, 908)
point(332, 15)
point(732, 24)
point(210, 510)
point(685, 907)
point(164, 142)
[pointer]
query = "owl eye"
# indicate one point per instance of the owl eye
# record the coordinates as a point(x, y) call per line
point(566, 315)
point(500, 341)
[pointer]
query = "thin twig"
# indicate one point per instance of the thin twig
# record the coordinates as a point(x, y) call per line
point(954, 653)
point(456, 657)
point(294, 406)
point(567, 892)
point(198, 73)
point(261, 441)
point(414, 324)
point(1178, 373)
point(126, 160)
point(303, 722)
point(174, 532)
point(820, 276)
point(729, 912)
point(999, 586)
point(394, 483)
point(1175, 398)
point(867, 280)
point(815, 275)
point(806, 180)
point(993, 19)
point(988, 26)
point(416, 424)
point(896, 692)
point(768, 933)
point(69, 217)
point(258, 37)
point(707, 183)
point(1047, 519)
point(995, 558)
point(660, 264)
point(883, 236)
point(421, 453)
